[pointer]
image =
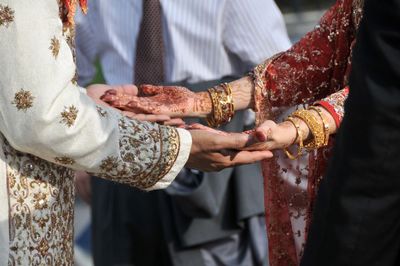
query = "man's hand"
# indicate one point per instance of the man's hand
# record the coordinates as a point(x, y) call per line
point(98, 91)
point(214, 152)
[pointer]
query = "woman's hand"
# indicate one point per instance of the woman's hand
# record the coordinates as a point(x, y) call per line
point(272, 136)
point(98, 91)
point(173, 101)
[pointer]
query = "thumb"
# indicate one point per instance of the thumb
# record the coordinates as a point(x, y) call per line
point(264, 131)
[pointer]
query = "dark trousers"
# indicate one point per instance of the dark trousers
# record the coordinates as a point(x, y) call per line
point(122, 236)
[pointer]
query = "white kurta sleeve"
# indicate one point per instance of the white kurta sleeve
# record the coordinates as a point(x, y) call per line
point(43, 113)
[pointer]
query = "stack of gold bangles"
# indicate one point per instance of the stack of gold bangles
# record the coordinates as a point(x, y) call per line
point(223, 107)
point(319, 129)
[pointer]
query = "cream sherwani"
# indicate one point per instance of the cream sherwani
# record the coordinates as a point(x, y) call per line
point(49, 127)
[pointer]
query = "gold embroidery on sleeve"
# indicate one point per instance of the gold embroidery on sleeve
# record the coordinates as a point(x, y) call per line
point(74, 79)
point(69, 115)
point(55, 47)
point(147, 154)
point(43, 247)
point(40, 201)
point(109, 164)
point(23, 100)
point(6, 15)
point(101, 111)
point(64, 160)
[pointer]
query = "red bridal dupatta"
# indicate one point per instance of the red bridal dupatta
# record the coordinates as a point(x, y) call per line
point(314, 70)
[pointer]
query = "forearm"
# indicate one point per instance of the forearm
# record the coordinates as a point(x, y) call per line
point(242, 93)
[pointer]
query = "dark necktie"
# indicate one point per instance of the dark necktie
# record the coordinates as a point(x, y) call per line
point(149, 65)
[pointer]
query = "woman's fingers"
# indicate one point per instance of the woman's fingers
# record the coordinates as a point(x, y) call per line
point(150, 90)
point(141, 105)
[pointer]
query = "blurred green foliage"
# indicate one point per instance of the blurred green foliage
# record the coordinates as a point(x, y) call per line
point(99, 77)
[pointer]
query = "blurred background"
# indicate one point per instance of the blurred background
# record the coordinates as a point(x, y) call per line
point(300, 17)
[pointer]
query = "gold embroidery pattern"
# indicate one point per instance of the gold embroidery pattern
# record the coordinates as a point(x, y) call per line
point(69, 35)
point(55, 47)
point(147, 151)
point(41, 210)
point(75, 78)
point(64, 160)
point(23, 100)
point(6, 16)
point(101, 111)
point(69, 115)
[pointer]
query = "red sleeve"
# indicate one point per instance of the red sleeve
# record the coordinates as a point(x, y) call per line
point(313, 68)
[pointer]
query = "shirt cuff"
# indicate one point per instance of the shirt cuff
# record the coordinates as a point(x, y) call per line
point(183, 155)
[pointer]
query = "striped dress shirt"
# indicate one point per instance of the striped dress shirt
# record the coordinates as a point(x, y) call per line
point(204, 39)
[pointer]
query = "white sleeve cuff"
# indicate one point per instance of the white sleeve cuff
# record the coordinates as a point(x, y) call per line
point(183, 155)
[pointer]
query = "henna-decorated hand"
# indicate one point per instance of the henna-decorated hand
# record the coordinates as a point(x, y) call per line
point(98, 91)
point(169, 100)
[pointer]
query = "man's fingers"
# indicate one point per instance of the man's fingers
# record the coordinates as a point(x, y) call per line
point(247, 157)
point(175, 122)
point(129, 89)
point(145, 117)
point(233, 141)
point(257, 146)
point(197, 126)
point(153, 118)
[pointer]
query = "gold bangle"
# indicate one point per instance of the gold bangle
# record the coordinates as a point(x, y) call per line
point(223, 107)
point(298, 136)
point(228, 106)
point(316, 129)
point(214, 117)
point(325, 124)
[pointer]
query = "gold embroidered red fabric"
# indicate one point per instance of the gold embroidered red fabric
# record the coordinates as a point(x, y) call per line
point(314, 68)
point(334, 104)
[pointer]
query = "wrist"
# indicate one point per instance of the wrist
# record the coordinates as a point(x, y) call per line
point(304, 130)
point(289, 133)
point(202, 106)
